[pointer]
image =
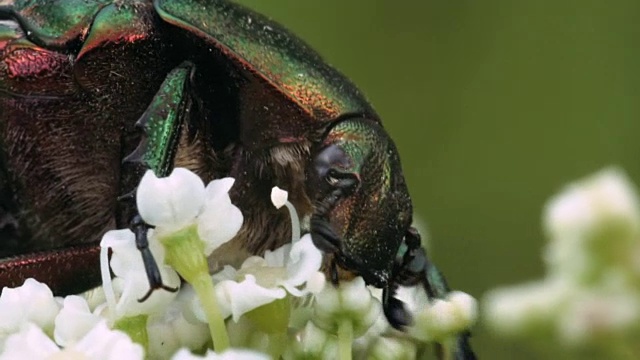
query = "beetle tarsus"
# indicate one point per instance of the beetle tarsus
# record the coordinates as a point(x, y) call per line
point(394, 309)
point(140, 228)
point(412, 267)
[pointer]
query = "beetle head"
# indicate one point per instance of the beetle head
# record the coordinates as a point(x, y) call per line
point(362, 206)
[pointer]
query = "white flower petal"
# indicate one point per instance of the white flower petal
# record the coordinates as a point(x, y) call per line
point(227, 273)
point(328, 301)
point(391, 348)
point(316, 283)
point(354, 294)
point(245, 296)
point(30, 343)
point(74, 321)
point(176, 327)
point(278, 257)
point(172, 202)
point(103, 343)
point(125, 257)
point(466, 308)
point(278, 197)
point(131, 277)
point(519, 309)
point(11, 312)
point(31, 302)
point(605, 196)
point(218, 190)
point(218, 224)
point(597, 316)
point(304, 261)
point(230, 354)
point(350, 301)
point(136, 285)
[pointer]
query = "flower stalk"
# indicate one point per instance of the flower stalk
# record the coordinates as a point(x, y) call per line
point(345, 339)
point(185, 253)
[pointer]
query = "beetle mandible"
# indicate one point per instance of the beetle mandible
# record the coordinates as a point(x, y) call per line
point(216, 88)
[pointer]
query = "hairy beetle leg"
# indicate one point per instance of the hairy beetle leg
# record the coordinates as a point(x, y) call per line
point(161, 125)
point(140, 228)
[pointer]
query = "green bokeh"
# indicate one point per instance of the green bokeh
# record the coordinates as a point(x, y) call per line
point(494, 106)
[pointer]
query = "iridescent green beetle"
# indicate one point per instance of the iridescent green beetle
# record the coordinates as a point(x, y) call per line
point(215, 88)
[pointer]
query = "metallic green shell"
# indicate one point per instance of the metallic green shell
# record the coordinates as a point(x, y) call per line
point(56, 23)
point(256, 43)
point(267, 49)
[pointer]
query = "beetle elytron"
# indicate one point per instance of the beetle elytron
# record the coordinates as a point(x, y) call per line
point(215, 88)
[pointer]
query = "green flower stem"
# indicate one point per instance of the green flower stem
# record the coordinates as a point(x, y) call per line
point(345, 339)
point(136, 328)
point(204, 288)
point(185, 253)
point(273, 320)
point(277, 345)
point(448, 348)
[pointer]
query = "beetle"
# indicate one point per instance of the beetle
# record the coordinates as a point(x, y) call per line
point(215, 88)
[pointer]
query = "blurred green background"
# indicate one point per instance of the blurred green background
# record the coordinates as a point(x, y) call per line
point(494, 106)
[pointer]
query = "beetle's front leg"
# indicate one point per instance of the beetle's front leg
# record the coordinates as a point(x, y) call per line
point(413, 267)
point(161, 123)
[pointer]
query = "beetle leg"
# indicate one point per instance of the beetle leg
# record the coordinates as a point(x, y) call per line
point(140, 228)
point(323, 237)
point(412, 266)
point(58, 275)
point(161, 124)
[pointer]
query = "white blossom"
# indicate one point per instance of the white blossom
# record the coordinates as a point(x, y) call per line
point(351, 300)
point(131, 282)
point(392, 348)
point(590, 294)
point(172, 202)
point(444, 318)
point(231, 354)
point(594, 223)
point(99, 343)
point(312, 342)
point(180, 200)
point(176, 327)
point(289, 269)
point(74, 321)
point(220, 220)
point(33, 302)
point(598, 315)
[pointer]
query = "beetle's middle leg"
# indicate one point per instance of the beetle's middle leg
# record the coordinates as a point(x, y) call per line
point(162, 123)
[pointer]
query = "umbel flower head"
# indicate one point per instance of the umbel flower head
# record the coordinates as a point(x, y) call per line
point(275, 305)
point(590, 296)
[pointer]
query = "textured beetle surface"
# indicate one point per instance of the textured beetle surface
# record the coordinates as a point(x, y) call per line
point(259, 105)
point(72, 91)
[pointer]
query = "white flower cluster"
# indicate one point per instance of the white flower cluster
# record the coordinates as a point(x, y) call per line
point(277, 305)
point(591, 294)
